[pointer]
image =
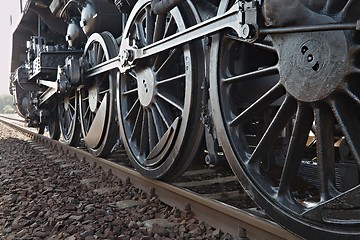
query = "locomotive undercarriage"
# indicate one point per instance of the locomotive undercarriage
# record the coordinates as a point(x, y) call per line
point(274, 83)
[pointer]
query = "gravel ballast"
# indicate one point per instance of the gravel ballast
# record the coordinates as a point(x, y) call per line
point(48, 194)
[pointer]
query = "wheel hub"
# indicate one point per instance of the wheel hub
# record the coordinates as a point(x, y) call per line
point(312, 65)
point(93, 98)
point(146, 86)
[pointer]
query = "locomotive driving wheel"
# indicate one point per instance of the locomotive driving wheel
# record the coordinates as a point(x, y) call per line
point(97, 97)
point(158, 98)
point(287, 115)
point(68, 118)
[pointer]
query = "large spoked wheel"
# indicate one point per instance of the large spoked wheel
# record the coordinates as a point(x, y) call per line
point(68, 118)
point(287, 115)
point(159, 102)
point(97, 97)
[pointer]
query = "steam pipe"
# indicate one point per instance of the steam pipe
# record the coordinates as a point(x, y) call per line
point(311, 28)
point(164, 6)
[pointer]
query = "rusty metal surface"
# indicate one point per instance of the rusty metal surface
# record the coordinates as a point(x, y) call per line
point(234, 221)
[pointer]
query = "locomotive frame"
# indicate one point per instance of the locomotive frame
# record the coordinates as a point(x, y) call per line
point(271, 84)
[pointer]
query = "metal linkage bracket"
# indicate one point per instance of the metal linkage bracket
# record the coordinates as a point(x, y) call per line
point(357, 25)
point(61, 84)
point(248, 19)
point(68, 77)
point(241, 17)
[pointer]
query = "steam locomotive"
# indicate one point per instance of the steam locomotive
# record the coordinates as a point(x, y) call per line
point(272, 85)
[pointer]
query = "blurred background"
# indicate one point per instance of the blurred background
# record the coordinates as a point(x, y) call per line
point(9, 16)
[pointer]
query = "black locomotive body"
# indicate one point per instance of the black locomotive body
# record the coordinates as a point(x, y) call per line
point(272, 84)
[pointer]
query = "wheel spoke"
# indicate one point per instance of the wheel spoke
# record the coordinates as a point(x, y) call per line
point(133, 109)
point(94, 55)
point(159, 29)
point(100, 55)
point(104, 91)
point(144, 137)
point(153, 137)
point(272, 95)
point(90, 55)
point(67, 117)
point(348, 5)
point(159, 123)
point(104, 77)
point(282, 117)
point(165, 115)
point(87, 112)
point(172, 100)
point(349, 125)
point(168, 61)
point(299, 137)
point(90, 120)
point(68, 121)
point(324, 132)
point(252, 75)
point(263, 47)
point(353, 94)
point(72, 107)
point(137, 125)
point(170, 27)
point(140, 33)
point(172, 79)
point(350, 10)
point(132, 74)
point(150, 25)
point(132, 91)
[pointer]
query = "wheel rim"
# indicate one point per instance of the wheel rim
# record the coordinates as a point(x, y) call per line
point(68, 121)
point(158, 98)
point(286, 136)
point(97, 111)
point(41, 129)
point(54, 128)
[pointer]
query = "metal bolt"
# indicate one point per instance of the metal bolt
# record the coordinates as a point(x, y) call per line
point(245, 31)
point(310, 58)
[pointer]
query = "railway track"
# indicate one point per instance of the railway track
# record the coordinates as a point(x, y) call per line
point(207, 198)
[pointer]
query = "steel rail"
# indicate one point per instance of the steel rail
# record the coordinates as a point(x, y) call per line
point(12, 118)
point(237, 222)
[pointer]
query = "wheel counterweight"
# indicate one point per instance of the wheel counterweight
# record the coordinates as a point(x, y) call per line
point(287, 115)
